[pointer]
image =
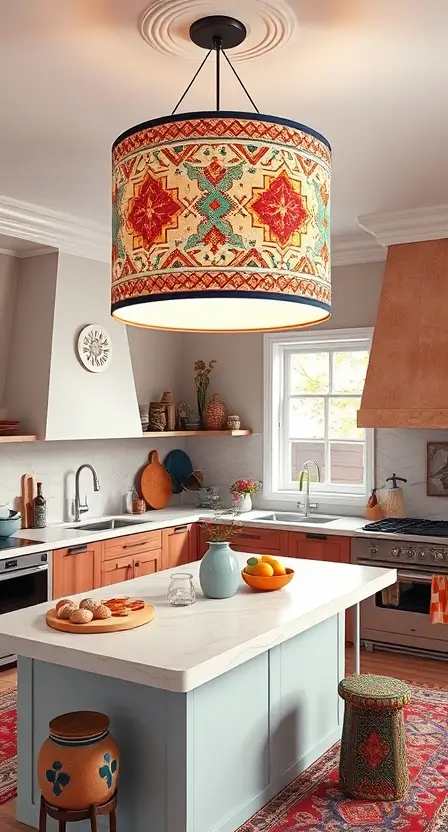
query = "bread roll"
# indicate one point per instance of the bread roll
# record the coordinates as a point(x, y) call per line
point(81, 616)
point(62, 603)
point(66, 610)
point(89, 604)
point(101, 612)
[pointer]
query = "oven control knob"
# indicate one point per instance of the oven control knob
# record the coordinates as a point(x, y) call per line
point(439, 556)
point(410, 553)
point(422, 553)
point(395, 552)
point(373, 549)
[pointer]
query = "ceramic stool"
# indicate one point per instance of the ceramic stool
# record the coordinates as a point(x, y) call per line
point(373, 764)
point(64, 816)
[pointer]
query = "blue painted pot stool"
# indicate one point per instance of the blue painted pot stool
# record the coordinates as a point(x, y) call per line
point(64, 816)
point(373, 764)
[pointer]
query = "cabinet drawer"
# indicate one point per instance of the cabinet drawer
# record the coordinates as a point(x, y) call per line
point(132, 543)
point(261, 538)
point(116, 571)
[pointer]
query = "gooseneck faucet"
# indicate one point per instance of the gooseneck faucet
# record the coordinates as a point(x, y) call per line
point(305, 474)
point(82, 508)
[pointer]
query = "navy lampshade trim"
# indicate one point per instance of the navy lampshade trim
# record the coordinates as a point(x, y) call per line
point(155, 122)
point(216, 293)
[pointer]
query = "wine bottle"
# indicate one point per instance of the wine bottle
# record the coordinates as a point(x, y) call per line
point(40, 509)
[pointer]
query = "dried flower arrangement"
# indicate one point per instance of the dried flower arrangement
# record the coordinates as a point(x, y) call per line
point(202, 381)
point(224, 525)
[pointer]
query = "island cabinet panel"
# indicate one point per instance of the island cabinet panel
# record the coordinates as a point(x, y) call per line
point(76, 569)
point(179, 546)
point(131, 544)
point(252, 540)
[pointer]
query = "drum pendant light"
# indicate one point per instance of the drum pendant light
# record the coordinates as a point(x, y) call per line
point(221, 219)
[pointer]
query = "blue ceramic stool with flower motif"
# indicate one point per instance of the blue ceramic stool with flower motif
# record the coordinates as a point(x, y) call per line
point(77, 769)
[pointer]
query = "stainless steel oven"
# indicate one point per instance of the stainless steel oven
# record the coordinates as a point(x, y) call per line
point(399, 616)
point(24, 581)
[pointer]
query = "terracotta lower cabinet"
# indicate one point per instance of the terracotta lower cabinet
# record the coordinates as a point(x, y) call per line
point(123, 569)
point(251, 540)
point(316, 546)
point(76, 569)
point(179, 546)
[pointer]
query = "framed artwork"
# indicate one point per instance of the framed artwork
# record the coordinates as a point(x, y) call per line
point(437, 469)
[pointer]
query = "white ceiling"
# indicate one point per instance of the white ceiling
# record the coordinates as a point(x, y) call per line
point(371, 75)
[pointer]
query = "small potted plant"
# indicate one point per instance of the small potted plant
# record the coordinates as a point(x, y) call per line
point(219, 572)
point(241, 491)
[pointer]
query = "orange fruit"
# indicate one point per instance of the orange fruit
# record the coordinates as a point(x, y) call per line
point(263, 570)
point(278, 567)
point(250, 570)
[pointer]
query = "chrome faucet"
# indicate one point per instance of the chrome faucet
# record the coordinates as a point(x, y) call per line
point(81, 509)
point(305, 474)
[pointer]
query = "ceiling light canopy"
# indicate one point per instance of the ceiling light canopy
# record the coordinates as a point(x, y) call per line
point(221, 219)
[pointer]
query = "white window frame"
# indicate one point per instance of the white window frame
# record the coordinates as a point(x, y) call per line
point(276, 345)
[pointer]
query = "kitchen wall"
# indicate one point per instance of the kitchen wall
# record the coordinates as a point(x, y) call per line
point(8, 287)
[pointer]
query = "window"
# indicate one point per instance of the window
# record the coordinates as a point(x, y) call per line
point(313, 386)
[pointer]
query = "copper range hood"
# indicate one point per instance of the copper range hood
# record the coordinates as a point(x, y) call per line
point(407, 378)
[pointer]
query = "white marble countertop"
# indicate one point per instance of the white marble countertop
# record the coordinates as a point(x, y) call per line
point(186, 647)
point(59, 536)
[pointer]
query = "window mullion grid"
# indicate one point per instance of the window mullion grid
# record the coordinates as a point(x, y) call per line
point(327, 418)
point(285, 454)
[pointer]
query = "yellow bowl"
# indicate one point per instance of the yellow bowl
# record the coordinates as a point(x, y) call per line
point(267, 584)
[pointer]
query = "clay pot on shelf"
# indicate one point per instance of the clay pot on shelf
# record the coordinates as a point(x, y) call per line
point(170, 410)
point(233, 422)
point(78, 764)
point(215, 414)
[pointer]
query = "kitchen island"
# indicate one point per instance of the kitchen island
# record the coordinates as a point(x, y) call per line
point(215, 706)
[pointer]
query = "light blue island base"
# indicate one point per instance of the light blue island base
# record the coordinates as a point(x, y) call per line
point(204, 760)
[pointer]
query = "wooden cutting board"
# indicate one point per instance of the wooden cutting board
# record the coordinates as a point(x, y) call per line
point(28, 493)
point(107, 625)
point(155, 483)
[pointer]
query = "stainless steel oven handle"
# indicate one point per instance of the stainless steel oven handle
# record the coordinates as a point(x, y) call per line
point(419, 578)
point(18, 573)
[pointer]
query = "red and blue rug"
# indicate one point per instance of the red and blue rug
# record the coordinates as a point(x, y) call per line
point(8, 746)
point(313, 802)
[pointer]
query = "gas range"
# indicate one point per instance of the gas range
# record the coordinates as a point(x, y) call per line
point(15, 543)
point(409, 525)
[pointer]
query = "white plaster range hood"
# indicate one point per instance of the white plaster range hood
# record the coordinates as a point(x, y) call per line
point(47, 387)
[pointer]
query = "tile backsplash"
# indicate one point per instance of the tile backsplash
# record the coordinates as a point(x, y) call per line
point(115, 461)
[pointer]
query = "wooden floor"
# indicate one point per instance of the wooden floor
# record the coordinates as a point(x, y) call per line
point(409, 668)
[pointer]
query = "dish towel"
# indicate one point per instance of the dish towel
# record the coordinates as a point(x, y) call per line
point(438, 610)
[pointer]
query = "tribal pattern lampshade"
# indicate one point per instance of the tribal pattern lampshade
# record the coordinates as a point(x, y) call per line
point(227, 210)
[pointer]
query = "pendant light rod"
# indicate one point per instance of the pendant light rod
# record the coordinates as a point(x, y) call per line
point(218, 48)
point(241, 83)
point(191, 82)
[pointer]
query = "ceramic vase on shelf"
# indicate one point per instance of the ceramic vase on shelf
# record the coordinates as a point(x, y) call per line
point(157, 416)
point(78, 764)
point(219, 573)
point(170, 410)
point(233, 422)
point(215, 415)
point(243, 503)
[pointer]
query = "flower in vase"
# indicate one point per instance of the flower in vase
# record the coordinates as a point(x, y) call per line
point(245, 486)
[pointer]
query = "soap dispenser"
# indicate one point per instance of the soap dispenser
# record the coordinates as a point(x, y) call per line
point(393, 504)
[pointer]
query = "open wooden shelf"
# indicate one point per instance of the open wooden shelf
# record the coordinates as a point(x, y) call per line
point(16, 438)
point(160, 434)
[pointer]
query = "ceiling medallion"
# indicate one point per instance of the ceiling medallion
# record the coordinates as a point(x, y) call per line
point(221, 219)
point(94, 348)
point(165, 25)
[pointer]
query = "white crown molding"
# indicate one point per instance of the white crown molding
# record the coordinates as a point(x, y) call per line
point(54, 230)
point(353, 249)
point(407, 226)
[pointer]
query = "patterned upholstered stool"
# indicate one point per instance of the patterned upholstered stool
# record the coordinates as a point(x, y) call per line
point(373, 763)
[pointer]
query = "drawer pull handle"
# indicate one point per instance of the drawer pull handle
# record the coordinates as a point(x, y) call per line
point(74, 550)
point(134, 545)
point(179, 529)
point(137, 563)
point(316, 537)
point(251, 536)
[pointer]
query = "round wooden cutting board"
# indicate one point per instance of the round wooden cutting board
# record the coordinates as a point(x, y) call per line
point(107, 625)
point(155, 484)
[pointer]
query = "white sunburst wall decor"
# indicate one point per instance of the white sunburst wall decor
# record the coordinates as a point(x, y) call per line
point(95, 348)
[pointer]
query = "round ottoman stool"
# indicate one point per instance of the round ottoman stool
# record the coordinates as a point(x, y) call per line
point(373, 764)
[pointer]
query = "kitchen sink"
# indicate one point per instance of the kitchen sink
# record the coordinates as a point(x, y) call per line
point(106, 525)
point(295, 517)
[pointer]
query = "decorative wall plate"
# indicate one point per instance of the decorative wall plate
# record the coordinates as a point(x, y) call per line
point(95, 348)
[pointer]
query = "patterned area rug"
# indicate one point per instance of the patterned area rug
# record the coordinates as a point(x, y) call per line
point(8, 746)
point(314, 803)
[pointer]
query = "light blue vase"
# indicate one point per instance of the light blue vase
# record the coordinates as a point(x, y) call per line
point(219, 572)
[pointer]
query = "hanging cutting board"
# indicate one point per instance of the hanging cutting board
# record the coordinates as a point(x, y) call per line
point(155, 484)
